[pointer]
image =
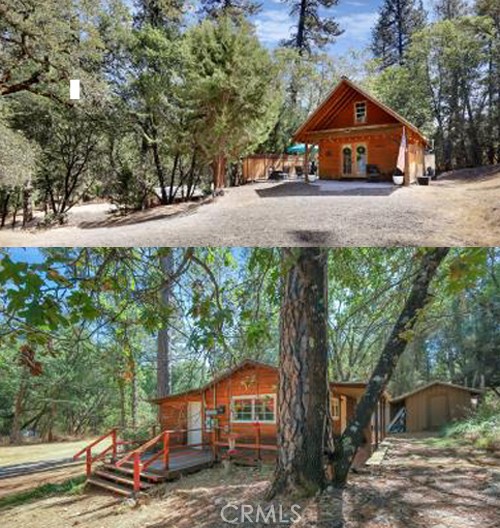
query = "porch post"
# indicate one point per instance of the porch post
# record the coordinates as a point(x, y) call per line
point(306, 164)
point(407, 160)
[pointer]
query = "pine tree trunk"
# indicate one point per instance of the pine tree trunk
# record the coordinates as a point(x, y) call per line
point(352, 437)
point(135, 395)
point(300, 42)
point(15, 431)
point(219, 170)
point(27, 204)
point(303, 378)
point(163, 354)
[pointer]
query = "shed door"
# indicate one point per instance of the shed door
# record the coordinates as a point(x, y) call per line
point(438, 411)
point(194, 423)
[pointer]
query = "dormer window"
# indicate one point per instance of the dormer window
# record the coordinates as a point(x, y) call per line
point(360, 112)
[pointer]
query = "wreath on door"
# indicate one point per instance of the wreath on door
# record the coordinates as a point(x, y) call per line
point(361, 150)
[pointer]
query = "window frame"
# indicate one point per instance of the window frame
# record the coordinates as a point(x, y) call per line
point(365, 119)
point(253, 397)
point(336, 403)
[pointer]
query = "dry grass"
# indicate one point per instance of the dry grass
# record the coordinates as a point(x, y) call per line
point(21, 454)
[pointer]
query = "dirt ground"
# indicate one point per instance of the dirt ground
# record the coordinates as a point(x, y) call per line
point(417, 485)
point(461, 208)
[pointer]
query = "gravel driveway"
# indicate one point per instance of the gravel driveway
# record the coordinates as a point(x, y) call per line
point(455, 212)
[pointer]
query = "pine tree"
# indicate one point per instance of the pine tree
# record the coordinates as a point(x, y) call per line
point(448, 9)
point(159, 13)
point(391, 37)
point(232, 8)
point(313, 29)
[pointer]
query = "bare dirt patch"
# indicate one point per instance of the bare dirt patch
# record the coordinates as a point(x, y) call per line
point(13, 485)
point(418, 485)
point(455, 210)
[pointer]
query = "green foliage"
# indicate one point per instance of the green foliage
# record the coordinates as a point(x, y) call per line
point(231, 89)
point(399, 89)
point(483, 427)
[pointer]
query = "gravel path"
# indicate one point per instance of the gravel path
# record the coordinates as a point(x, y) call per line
point(455, 212)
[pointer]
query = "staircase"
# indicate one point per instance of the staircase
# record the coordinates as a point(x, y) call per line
point(398, 423)
point(121, 479)
point(130, 472)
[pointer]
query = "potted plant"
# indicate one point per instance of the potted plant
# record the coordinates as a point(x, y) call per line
point(398, 177)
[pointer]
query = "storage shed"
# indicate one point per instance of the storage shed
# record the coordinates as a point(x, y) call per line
point(434, 405)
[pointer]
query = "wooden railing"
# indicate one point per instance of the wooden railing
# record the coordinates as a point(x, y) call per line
point(233, 443)
point(136, 457)
point(90, 459)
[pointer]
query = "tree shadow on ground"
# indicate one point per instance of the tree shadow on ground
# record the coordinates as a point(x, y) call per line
point(288, 189)
point(140, 217)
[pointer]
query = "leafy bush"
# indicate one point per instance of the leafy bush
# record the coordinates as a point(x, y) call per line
point(483, 427)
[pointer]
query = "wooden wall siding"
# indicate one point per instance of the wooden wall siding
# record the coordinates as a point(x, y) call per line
point(173, 415)
point(382, 151)
point(249, 381)
point(257, 167)
point(432, 408)
point(252, 380)
point(344, 117)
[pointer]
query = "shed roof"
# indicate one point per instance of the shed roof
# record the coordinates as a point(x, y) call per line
point(431, 384)
point(330, 100)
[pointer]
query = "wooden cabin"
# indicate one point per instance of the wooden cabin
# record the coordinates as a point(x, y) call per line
point(359, 136)
point(345, 396)
point(432, 406)
point(239, 408)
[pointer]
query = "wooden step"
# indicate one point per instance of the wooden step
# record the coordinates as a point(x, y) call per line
point(120, 478)
point(111, 486)
point(156, 477)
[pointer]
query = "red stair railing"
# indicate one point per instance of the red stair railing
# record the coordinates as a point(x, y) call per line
point(139, 465)
point(90, 459)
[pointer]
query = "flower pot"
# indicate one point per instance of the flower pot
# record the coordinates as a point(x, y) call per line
point(423, 180)
point(398, 179)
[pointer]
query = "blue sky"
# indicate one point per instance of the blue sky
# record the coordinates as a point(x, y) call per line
point(356, 18)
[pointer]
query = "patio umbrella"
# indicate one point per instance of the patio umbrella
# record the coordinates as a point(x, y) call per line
point(300, 148)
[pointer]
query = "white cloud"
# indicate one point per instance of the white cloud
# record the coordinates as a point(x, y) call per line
point(272, 26)
point(357, 26)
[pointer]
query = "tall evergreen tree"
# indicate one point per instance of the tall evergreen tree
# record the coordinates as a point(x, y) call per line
point(313, 29)
point(159, 13)
point(448, 9)
point(232, 8)
point(391, 37)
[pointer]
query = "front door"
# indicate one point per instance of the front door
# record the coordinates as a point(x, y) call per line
point(346, 161)
point(361, 161)
point(194, 424)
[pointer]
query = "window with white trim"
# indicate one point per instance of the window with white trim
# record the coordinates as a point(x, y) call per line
point(335, 409)
point(254, 409)
point(360, 112)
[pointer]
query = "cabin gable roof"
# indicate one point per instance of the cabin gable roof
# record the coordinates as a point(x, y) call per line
point(224, 375)
point(343, 96)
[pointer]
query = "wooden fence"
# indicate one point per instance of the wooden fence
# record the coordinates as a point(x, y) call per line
point(258, 166)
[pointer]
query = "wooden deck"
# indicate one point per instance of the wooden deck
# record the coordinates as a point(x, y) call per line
point(180, 460)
